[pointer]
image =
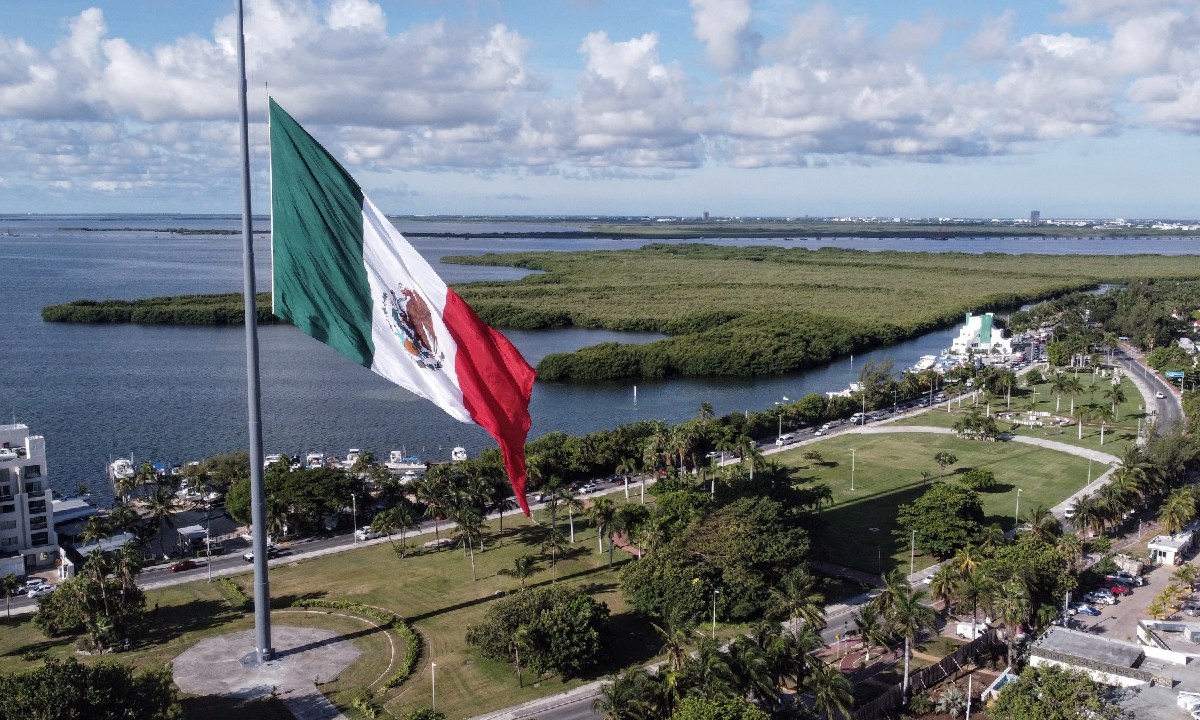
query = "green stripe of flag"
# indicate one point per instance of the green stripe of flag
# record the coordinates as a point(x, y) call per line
point(319, 280)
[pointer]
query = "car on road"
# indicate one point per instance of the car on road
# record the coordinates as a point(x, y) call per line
point(1101, 597)
point(183, 565)
point(1159, 395)
point(366, 533)
point(588, 488)
point(272, 552)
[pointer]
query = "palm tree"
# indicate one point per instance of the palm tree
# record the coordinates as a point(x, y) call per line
point(832, 693)
point(944, 585)
point(162, 505)
point(1072, 387)
point(872, 628)
point(1089, 515)
point(556, 543)
point(797, 599)
point(1012, 607)
point(431, 489)
point(1178, 510)
point(94, 530)
point(750, 666)
point(123, 519)
point(908, 616)
point(524, 567)
point(11, 585)
point(603, 512)
point(1043, 524)
point(467, 529)
point(127, 564)
point(1115, 395)
point(1071, 547)
point(706, 672)
point(976, 587)
point(632, 695)
point(675, 633)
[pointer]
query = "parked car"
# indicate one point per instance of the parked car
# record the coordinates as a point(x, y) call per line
point(183, 565)
point(41, 590)
point(1117, 588)
point(1191, 608)
point(30, 586)
point(1102, 596)
point(1084, 609)
point(1127, 578)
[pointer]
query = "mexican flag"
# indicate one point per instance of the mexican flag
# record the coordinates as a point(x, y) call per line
point(344, 275)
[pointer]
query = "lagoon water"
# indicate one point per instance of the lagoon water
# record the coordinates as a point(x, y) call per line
point(175, 394)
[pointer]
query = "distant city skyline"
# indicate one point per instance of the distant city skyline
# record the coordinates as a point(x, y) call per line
point(1078, 109)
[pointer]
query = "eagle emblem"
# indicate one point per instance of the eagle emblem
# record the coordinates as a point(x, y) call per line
point(409, 318)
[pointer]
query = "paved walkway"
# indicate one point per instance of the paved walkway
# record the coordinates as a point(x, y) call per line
point(305, 657)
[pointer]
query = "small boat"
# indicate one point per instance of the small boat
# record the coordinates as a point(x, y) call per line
point(120, 469)
point(352, 457)
point(314, 460)
point(401, 463)
point(458, 454)
point(271, 459)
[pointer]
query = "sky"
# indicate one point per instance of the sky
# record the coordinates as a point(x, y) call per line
point(937, 108)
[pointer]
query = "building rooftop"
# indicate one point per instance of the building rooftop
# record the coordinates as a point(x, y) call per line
point(1089, 647)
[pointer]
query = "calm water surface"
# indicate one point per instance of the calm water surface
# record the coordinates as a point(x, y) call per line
point(177, 394)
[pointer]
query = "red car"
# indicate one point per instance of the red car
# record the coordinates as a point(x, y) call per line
point(1117, 588)
point(183, 565)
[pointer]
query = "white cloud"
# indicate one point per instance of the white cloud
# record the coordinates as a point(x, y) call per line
point(100, 111)
point(723, 27)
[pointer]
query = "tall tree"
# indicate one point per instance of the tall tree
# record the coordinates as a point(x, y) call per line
point(161, 504)
point(797, 598)
point(603, 512)
point(908, 616)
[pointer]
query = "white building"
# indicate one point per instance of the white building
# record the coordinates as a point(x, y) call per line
point(980, 336)
point(27, 537)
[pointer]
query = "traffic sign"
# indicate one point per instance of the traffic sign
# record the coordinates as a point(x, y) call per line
point(1173, 374)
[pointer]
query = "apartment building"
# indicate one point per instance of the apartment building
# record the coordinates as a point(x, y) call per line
point(27, 537)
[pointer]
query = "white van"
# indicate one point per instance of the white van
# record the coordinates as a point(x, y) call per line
point(784, 439)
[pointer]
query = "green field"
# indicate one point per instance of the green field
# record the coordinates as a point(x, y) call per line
point(887, 473)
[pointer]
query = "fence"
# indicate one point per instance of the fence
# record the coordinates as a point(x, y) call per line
point(925, 678)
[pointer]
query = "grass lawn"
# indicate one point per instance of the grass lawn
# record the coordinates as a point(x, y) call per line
point(434, 591)
point(887, 473)
point(1118, 436)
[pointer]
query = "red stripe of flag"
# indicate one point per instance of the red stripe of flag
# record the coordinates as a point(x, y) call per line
point(496, 383)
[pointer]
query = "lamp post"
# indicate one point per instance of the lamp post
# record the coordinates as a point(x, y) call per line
point(1017, 514)
point(894, 404)
point(852, 451)
point(714, 619)
point(433, 686)
point(354, 515)
point(912, 554)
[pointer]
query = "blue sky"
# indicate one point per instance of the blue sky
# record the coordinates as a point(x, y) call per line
point(1078, 108)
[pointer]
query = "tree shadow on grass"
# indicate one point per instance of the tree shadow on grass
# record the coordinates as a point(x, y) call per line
point(170, 622)
point(287, 601)
point(46, 646)
point(226, 707)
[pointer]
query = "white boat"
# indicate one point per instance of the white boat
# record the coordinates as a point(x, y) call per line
point(352, 457)
point(458, 454)
point(271, 459)
point(120, 469)
point(314, 460)
point(401, 463)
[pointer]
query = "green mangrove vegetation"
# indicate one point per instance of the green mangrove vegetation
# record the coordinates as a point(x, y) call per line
point(726, 310)
point(222, 309)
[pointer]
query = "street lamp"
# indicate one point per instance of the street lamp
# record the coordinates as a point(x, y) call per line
point(1017, 514)
point(912, 555)
point(354, 515)
point(433, 686)
point(714, 623)
point(852, 451)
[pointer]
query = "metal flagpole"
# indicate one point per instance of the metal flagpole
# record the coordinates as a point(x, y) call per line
point(258, 509)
